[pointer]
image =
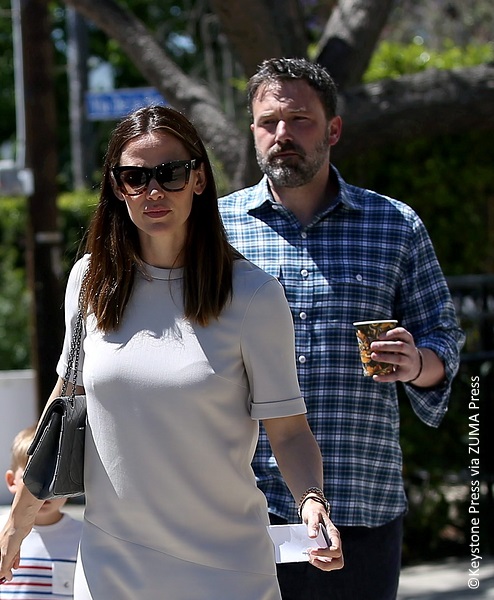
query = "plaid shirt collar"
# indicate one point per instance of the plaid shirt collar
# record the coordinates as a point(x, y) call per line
point(262, 194)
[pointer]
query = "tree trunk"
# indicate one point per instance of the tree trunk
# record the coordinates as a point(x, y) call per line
point(43, 239)
point(350, 37)
point(81, 142)
point(261, 29)
point(433, 102)
point(181, 91)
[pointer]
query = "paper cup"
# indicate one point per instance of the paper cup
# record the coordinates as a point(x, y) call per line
point(367, 332)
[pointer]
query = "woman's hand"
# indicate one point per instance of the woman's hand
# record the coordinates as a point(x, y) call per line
point(21, 519)
point(10, 544)
point(326, 559)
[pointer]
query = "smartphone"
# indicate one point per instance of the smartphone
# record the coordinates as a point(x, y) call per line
point(325, 534)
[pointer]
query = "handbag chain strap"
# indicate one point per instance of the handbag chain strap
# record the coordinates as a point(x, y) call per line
point(75, 346)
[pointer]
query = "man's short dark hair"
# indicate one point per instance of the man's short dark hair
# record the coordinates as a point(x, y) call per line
point(295, 69)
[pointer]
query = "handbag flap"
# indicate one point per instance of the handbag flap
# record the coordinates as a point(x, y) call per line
point(57, 451)
point(54, 407)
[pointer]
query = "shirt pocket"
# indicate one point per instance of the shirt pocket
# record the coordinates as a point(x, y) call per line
point(63, 578)
point(359, 298)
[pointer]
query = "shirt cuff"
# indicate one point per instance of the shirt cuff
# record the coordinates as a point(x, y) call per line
point(278, 408)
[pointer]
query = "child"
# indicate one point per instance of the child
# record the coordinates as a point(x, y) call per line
point(48, 553)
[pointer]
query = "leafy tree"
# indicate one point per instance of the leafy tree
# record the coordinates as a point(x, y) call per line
point(424, 103)
point(198, 53)
point(14, 300)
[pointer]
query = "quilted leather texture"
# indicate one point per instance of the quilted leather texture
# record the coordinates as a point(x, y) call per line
point(56, 466)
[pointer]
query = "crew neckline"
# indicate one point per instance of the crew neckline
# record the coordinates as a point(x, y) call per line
point(164, 274)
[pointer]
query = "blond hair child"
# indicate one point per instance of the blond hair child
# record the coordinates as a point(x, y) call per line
point(49, 552)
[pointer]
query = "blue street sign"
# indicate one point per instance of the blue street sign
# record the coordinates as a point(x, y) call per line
point(114, 104)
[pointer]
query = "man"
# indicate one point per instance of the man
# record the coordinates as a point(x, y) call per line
point(343, 254)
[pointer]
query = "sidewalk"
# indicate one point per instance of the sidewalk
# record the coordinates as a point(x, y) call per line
point(445, 580)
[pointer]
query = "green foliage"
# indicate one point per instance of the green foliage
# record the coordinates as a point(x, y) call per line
point(448, 180)
point(14, 300)
point(74, 210)
point(450, 183)
point(393, 59)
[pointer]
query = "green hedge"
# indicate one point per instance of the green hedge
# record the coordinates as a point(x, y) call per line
point(74, 212)
point(14, 298)
point(449, 181)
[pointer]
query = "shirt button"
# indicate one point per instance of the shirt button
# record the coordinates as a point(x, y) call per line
point(304, 272)
point(303, 316)
point(359, 277)
point(301, 359)
point(303, 235)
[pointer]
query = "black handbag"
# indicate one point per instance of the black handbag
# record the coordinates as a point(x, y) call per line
point(56, 466)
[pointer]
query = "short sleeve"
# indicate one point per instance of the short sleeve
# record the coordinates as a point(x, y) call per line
point(268, 351)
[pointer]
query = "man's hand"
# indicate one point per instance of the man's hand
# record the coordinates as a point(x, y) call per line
point(422, 367)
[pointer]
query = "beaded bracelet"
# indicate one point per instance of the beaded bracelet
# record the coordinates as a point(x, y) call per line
point(316, 494)
point(421, 357)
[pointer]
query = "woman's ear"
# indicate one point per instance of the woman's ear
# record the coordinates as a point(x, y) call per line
point(115, 188)
point(200, 180)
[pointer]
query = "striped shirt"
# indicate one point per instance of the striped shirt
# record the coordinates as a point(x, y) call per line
point(47, 566)
point(365, 257)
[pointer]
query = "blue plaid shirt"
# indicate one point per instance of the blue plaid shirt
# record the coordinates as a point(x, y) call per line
point(366, 257)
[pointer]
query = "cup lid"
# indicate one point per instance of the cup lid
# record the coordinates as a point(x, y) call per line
point(358, 323)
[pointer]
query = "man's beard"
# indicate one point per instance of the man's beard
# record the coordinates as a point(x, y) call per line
point(294, 171)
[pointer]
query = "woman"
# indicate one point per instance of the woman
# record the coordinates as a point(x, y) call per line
point(187, 346)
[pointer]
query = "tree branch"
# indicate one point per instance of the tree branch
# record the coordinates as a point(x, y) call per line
point(350, 37)
point(259, 29)
point(182, 92)
point(427, 104)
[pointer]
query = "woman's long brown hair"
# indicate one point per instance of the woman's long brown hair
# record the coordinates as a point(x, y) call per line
point(113, 241)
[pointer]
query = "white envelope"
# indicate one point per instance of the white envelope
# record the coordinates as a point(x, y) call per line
point(291, 542)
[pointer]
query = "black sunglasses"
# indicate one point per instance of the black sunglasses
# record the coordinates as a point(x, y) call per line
point(171, 176)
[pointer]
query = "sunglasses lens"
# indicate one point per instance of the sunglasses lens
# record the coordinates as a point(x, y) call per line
point(172, 177)
point(133, 180)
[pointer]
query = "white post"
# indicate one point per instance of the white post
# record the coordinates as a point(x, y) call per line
point(18, 409)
